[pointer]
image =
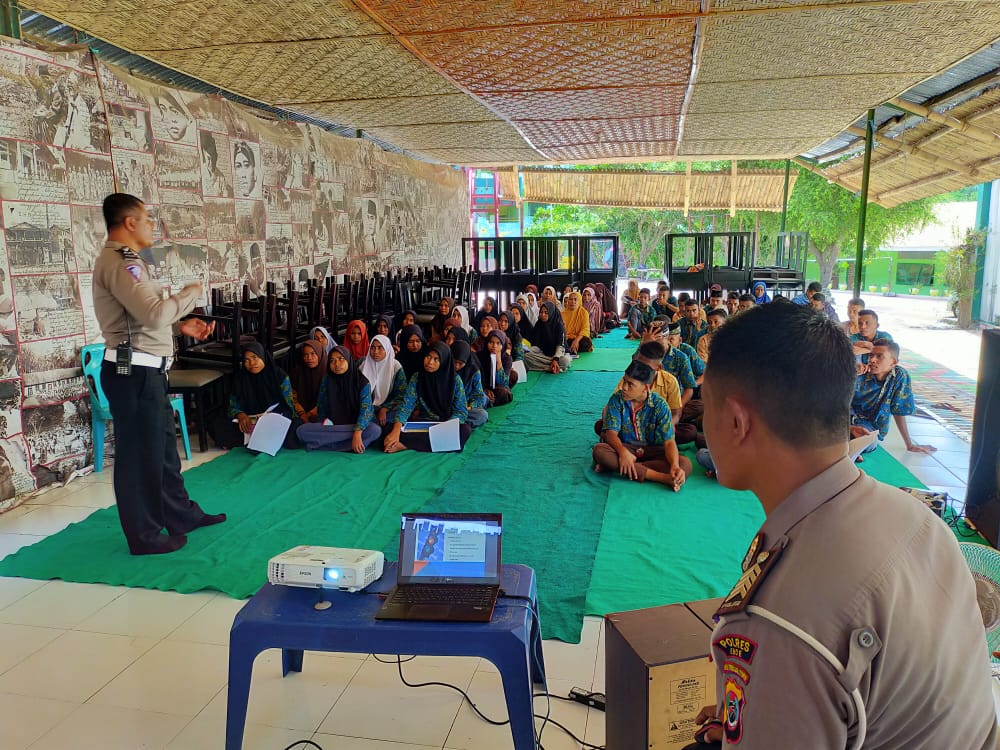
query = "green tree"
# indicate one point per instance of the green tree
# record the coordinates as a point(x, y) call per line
point(830, 214)
point(642, 233)
point(564, 219)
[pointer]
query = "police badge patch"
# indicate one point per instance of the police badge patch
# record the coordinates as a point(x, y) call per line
point(735, 702)
point(135, 271)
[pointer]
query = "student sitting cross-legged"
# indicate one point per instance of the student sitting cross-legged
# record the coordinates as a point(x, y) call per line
point(435, 394)
point(496, 368)
point(386, 377)
point(467, 367)
point(344, 408)
point(258, 385)
point(638, 439)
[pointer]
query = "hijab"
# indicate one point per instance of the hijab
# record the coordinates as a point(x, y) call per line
point(330, 342)
point(439, 320)
point(412, 362)
point(593, 308)
point(460, 334)
point(480, 342)
point(437, 389)
point(549, 334)
point(576, 320)
point(388, 323)
point(463, 313)
point(256, 393)
point(461, 352)
point(555, 297)
point(486, 360)
point(483, 313)
point(381, 374)
point(399, 329)
point(513, 329)
point(306, 380)
point(763, 298)
point(343, 392)
point(532, 308)
point(359, 350)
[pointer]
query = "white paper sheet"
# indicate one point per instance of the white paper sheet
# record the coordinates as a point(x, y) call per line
point(444, 437)
point(269, 433)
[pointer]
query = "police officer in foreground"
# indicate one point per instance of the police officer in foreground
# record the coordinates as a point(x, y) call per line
point(136, 321)
point(855, 622)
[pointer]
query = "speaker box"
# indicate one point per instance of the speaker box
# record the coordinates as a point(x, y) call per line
point(982, 501)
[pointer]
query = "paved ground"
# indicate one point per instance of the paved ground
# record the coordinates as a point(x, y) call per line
point(943, 360)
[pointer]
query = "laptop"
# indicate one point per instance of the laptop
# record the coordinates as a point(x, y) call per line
point(449, 568)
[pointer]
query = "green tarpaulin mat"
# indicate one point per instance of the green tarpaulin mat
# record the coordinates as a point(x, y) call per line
point(598, 543)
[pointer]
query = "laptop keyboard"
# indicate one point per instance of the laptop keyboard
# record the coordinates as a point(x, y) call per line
point(472, 596)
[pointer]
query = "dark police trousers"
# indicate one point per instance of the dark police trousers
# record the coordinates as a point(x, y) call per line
point(149, 490)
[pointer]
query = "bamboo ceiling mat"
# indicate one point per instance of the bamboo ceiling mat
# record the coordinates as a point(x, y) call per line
point(534, 81)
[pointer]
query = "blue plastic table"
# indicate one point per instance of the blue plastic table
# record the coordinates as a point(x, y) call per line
point(284, 617)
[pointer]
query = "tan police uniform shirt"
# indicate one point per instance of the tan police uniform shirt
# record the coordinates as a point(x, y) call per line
point(858, 554)
point(666, 386)
point(122, 282)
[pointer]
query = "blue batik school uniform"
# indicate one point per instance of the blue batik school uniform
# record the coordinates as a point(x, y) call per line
point(690, 333)
point(874, 403)
point(697, 363)
point(650, 425)
point(678, 364)
point(879, 334)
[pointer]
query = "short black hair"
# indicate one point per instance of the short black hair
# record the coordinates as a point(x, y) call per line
point(856, 301)
point(645, 290)
point(652, 350)
point(892, 346)
point(661, 284)
point(117, 206)
point(733, 295)
point(802, 392)
point(746, 298)
point(819, 297)
point(640, 372)
point(717, 312)
point(683, 297)
point(814, 286)
point(866, 311)
point(690, 302)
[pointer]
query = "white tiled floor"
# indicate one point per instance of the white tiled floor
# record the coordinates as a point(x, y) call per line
point(87, 666)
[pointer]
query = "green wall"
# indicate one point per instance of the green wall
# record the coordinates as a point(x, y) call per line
point(877, 270)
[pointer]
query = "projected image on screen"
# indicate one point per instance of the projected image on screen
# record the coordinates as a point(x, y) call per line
point(459, 549)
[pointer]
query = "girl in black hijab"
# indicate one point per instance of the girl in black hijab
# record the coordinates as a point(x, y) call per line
point(442, 318)
point(496, 367)
point(509, 326)
point(489, 309)
point(467, 367)
point(344, 411)
point(257, 386)
point(412, 348)
point(306, 379)
point(456, 333)
point(548, 338)
point(435, 394)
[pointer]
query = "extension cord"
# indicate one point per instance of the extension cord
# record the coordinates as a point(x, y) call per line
point(593, 700)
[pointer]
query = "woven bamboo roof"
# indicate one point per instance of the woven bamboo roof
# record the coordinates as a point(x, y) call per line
point(754, 190)
point(543, 81)
point(915, 157)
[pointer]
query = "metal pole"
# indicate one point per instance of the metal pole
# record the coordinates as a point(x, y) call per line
point(863, 208)
point(784, 200)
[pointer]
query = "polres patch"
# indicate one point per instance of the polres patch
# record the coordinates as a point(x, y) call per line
point(135, 270)
point(737, 647)
point(733, 669)
point(735, 704)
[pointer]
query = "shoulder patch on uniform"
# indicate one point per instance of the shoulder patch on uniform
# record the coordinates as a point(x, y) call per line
point(737, 647)
point(735, 704)
point(135, 270)
point(743, 591)
point(128, 253)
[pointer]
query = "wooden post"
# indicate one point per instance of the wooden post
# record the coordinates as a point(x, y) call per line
point(863, 209)
point(784, 200)
point(10, 19)
point(687, 190)
point(732, 188)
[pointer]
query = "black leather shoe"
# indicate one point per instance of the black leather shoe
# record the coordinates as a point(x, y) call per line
point(161, 546)
point(207, 519)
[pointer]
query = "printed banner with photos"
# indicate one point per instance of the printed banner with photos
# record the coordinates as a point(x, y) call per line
point(237, 200)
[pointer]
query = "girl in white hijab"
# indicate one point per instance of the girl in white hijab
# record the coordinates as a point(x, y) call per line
point(387, 379)
point(462, 314)
point(531, 307)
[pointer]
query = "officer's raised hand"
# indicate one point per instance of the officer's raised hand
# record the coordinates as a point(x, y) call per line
point(197, 328)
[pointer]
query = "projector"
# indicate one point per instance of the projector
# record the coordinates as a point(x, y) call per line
point(326, 568)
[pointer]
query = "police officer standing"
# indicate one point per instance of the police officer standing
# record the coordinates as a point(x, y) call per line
point(136, 321)
point(854, 623)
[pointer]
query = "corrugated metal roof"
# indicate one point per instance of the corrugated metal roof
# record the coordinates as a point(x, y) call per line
point(980, 64)
point(39, 27)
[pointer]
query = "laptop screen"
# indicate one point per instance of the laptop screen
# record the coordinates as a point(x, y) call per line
point(450, 548)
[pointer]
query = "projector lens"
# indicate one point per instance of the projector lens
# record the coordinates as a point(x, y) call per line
point(332, 574)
